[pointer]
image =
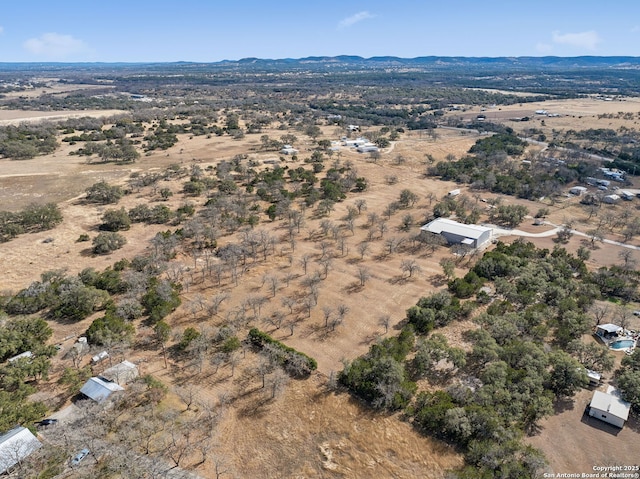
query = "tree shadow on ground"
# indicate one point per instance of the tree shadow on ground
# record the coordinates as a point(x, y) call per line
point(354, 287)
point(563, 404)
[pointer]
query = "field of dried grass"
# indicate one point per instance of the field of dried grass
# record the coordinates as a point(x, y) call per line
point(309, 431)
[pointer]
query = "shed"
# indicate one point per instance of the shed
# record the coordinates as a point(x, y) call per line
point(609, 407)
point(288, 150)
point(25, 355)
point(608, 331)
point(475, 236)
point(122, 373)
point(367, 149)
point(578, 190)
point(99, 389)
point(101, 356)
point(455, 192)
point(611, 199)
point(16, 445)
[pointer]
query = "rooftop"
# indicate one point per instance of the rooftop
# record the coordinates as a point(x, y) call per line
point(443, 224)
point(611, 402)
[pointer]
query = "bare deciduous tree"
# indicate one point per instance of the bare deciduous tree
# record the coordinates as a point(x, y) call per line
point(363, 274)
point(304, 261)
point(278, 382)
point(410, 265)
point(385, 322)
point(363, 248)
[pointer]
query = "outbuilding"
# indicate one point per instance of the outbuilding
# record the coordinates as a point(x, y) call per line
point(368, 148)
point(611, 199)
point(474, 236)
point(609, 407)
point(15, 446)
point(122, 373)
point(608, 331)
point(99, 389)
point(25, 355)
point(288, 150)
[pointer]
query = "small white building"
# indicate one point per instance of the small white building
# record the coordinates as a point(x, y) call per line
point(99, 389)
point(288, 150)
point(611, 199)
point(15, 446)
point(578, 190)
point(474, 236)
point(367, 148)
point(98, 358)
point(609, 407)
point(25, 355)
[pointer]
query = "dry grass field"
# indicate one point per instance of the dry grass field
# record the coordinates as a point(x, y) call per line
point(309, 431)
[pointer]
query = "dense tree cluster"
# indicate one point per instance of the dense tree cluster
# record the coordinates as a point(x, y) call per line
point(31, 219)
point(526, 355)
point(25, 142)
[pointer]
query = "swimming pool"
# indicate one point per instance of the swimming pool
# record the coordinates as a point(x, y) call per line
point(619, 344)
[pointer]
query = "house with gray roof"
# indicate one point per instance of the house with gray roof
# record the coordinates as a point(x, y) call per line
point(15, 446)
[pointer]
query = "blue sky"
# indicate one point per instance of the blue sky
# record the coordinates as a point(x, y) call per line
point(211, 30)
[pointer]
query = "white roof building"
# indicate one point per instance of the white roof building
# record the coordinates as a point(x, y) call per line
point(99, 389)
point(15, 446)
point(122, 373)
point(288, 150)
point(609, 407)
point(25, 355)
point(475, 236)
point(608, 330)
point(610, 199)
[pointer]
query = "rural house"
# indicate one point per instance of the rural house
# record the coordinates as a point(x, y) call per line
point(609, 407)
point(99, 389)
point(608, 331)
point(16, 445)
point(474, 236)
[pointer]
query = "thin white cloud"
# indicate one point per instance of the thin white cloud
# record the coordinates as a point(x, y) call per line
point(55, 46)
point(353, 19)
point(586, 40)
point(1, 29)
point(544, 47)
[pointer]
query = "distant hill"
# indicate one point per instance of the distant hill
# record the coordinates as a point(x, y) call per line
point(351, 60)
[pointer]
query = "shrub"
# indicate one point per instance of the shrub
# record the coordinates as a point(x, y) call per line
point(108, 242)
